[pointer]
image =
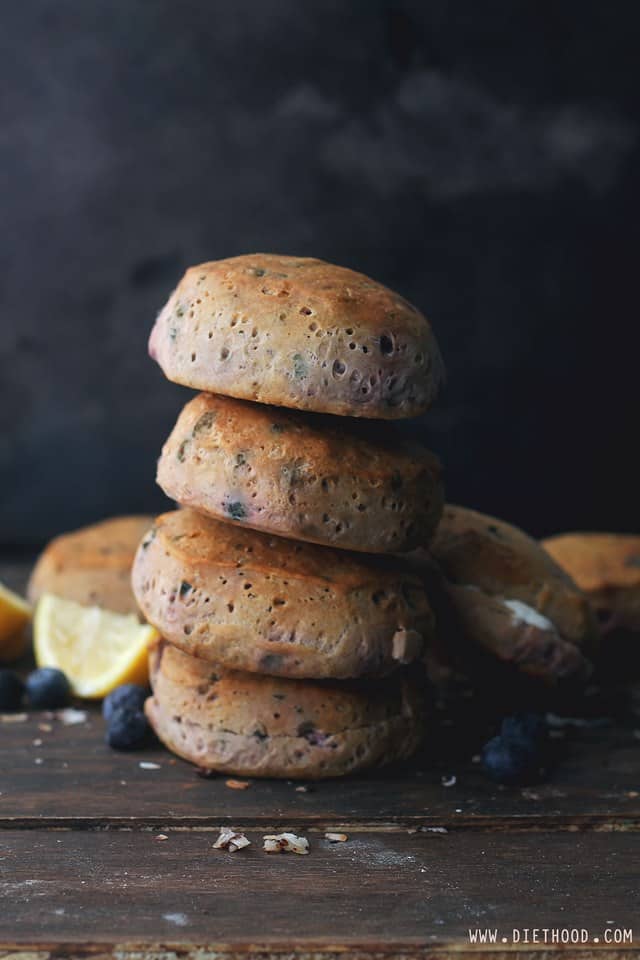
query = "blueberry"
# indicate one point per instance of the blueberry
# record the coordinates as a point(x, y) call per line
point(506, 762)
point(127, 729)
point(11, 691)
point(48, 689)
point(130, 695)
point(528, 731)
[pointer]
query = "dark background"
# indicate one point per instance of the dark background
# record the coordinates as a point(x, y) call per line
point(481, 157)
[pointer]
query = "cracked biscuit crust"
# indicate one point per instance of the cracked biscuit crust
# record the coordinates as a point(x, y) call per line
point(257, 726)
point(268, 605)
point(507, 598)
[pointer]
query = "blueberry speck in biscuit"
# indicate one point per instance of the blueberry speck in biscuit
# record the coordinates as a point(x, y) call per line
point(11, 691)
point(128, 729)
point(48, 689)
point(235, 509)
point(300, 370)
point(128, 695)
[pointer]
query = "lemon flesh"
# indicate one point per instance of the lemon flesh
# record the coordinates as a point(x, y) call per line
point(97, 649)
point(15, 613)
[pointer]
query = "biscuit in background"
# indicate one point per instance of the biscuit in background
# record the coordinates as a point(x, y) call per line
point(504, 609)
point(92, 566)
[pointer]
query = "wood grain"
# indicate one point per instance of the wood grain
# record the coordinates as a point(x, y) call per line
point(398, 890)
point(72, 778)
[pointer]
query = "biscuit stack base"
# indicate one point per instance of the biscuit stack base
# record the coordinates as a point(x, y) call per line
point(286, 653)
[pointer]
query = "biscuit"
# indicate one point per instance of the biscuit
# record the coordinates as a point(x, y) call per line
point(506, 598)
point(254, 602)
point(257, 726)
point(92, 565)
point(607, 567)
point(298, 332)
point(284, 472)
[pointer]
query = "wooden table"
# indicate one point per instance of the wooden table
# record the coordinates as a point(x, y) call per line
point(84, 871)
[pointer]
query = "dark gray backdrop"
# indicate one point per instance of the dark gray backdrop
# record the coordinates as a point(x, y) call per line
point(481, 157)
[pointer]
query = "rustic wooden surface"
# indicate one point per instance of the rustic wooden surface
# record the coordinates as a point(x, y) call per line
point(82, 872)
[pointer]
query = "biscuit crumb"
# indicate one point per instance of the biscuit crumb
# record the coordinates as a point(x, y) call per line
point(230, 840)
point(285, 843)
point(406, 645)
point(449, 781)
point(44, 727)
point(336, 837)
point(161, 836)
point(238, 784)
point(147, 765)
point(72, 717)
point(13, 718)
point(302, 789)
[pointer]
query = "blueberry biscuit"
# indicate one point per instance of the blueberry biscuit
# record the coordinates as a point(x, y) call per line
point(261, 603)
point(607, 567)
point(92, 565)
point(257, 726)
point(342, 483)
point(505, 598)
point(298, 332)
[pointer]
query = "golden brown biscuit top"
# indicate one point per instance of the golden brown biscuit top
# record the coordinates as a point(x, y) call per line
point(597, 561)
point(108, 544)
point(475, 548)
point(361, 448)
point(195, 539)
point(305, 286)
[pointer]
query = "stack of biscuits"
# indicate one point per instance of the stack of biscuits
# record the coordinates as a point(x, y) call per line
point(289, 624)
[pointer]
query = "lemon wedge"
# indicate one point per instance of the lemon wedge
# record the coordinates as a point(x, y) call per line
point(15, 613)
point(97, 649)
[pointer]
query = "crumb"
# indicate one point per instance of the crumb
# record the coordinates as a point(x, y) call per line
point(38, 761)
point(45, 727)
point(336, 837)
point(147, 765)
point(172, 762)
point(449, 781)
point(205, 773)
point(13, 718)
point(72, 717)
point(230, 840)
point(161, 836)
point(302, 789)
point(37, 743)
point(476, 758)
point(237, 784)
point(285, 843)
point(434, 829)
point(632, 794)
point(530, 795)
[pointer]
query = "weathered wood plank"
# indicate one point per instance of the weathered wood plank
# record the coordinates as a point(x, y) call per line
point(400, 892)
point(67, 775)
